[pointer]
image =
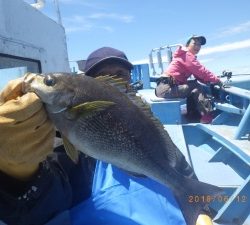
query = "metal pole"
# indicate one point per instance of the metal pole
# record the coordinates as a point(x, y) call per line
point(159, 58)
point(151, 62)
point(59, 19)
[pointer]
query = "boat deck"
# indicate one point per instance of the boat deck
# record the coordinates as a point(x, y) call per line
point(228, 132)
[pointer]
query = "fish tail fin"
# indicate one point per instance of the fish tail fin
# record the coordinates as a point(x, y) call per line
point(193, 197)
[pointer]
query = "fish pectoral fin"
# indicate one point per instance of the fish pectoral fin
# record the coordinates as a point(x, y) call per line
point(88, 108)
point(70, 150)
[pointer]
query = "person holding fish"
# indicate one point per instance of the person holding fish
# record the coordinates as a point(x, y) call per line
point(35, 188)
point(174, 82)
point(38, 181)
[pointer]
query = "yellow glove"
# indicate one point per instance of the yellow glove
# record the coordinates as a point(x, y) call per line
point(26, 133)
point(204, 220)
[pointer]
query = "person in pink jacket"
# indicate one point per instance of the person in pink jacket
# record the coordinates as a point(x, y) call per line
point(175, 83)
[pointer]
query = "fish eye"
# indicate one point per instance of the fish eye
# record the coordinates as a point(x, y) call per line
point(49, 81)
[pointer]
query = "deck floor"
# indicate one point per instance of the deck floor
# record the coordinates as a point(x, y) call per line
point(228, 132)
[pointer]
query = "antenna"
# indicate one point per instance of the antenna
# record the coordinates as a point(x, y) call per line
point(59, 19)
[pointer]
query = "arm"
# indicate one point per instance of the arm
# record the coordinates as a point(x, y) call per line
point(199, 71)
point(32, 189)
point(27, 135)
point(37, 200)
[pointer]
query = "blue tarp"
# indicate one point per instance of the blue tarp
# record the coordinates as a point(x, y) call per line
point(120, 199)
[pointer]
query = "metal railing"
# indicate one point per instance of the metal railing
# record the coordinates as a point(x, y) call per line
point(159, 58)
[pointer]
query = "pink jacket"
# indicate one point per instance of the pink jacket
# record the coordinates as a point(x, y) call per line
point(184, 64)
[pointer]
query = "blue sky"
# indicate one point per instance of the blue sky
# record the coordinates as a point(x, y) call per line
point(137, 26)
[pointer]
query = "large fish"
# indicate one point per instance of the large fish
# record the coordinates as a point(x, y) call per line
point(99, 118)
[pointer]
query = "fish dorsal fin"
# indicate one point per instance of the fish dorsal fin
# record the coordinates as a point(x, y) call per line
point(122, 86)
point(114, 81)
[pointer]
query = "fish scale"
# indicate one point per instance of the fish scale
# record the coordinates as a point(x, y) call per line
point(97, 126)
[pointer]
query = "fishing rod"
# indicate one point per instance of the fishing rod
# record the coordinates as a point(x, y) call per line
point(229, 74)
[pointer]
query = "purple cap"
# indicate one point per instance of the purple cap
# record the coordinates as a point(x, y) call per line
point(105, 54)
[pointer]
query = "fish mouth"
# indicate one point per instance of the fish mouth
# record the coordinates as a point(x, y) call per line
point(28, 80)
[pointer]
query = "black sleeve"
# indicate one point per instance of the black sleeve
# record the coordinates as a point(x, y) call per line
point(58, 185)
point(38, 200)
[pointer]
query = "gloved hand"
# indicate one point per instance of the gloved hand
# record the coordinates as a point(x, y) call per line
point(26, 133)
point(220, 84)
point(204, 220)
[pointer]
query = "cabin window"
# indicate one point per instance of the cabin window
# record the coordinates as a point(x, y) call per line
point(12, 67)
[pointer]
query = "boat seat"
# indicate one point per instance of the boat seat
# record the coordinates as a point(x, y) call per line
point(168, 111)
point(157, 99)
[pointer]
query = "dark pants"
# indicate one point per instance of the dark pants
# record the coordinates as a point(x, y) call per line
point(197, 102)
